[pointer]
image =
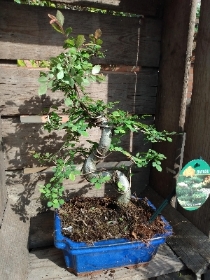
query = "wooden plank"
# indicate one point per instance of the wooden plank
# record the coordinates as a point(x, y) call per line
point(3, 190)
point(19, 91)
point(100, 165)
point(13, 243)
point(188, 242)
point(176, 23)
point(40, 119)
point(198, 138)
point(20, 141)
point(24, 191)
point(146, 8)
point(49, 264)
point(38, 40)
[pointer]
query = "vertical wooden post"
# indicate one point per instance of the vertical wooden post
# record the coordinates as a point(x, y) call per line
point(3, 191)
point(198, 127)
point(179, 18)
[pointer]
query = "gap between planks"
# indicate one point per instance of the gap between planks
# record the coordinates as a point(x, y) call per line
point(103, 165)
point(40, 119)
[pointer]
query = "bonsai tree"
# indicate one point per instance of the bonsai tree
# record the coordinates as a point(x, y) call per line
point(71, 72)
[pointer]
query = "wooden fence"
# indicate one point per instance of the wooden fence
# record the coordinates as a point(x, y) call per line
point(136, 44)
point(26, 34)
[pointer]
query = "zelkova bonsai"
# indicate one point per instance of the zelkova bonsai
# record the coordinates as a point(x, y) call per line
point(71, 72)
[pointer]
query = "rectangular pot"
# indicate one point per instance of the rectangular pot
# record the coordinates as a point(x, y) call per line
point(83, 258)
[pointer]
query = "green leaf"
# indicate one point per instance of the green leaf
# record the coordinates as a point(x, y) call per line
point(96, 69)
point(42, 190)
point(33, 63)
point(60, 75)
point(43, 79)
point(61, 201)
point(57, 27)
point(79, 40)
point(50, 84)
point(56, 205)
point(99, 42)
point(52, 5)
point(49, 204)
point(159, 168)
point(21, 62)
point(59, 66)
point(42, 89)
point(60, 17)
point(68, 80)
point(93, 180)
point(79, 80)
point(68, 31)
point(98, 185)
point(84, 133)
point(72, 177)
point(85, 82)
point(68, 102)
point(69, 43)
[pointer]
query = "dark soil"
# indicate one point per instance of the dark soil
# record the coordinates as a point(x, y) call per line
point(94, 219)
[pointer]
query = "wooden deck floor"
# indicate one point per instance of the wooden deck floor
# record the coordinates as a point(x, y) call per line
point(49, 263)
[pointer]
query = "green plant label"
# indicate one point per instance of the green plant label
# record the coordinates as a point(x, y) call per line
point(193, 184)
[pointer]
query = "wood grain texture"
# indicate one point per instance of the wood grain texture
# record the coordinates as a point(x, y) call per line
point(19, 91)
point(40, 119)
point(188, 242)
point(13, 243)
point(21, 140)
point(24, 191)
point(171, 79)
point(198, 127)
point(49, 264)
point(30, 35)
point(146, 8)
point(3, 190)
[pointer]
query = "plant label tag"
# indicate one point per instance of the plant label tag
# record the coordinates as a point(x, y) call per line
point(193, 184)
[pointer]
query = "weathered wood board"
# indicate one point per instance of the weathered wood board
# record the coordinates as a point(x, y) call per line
point(13, 243)
point(200, 218)
point(30, 35)
point(19, 91)
point(198, 126)
point(24, 192)
point(3, 190)
point(150, 7)
point(24, 189)
point(49, 264)
point(188, 242)
point(21, 140)
point(170, 90)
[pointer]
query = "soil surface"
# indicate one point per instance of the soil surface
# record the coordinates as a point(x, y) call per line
point(93, 219)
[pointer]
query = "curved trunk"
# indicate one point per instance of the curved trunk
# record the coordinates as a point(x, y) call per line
point(98, 154)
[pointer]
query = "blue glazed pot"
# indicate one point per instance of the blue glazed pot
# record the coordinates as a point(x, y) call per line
point(81, 258)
